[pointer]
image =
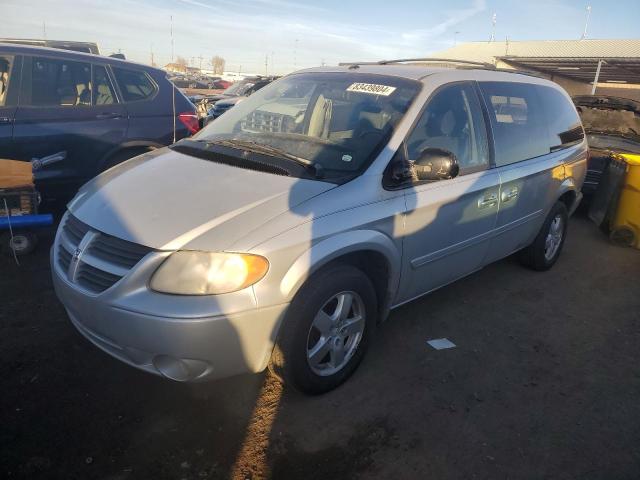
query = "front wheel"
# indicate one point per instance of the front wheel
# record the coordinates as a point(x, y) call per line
point(326, 330)
point(543, 253)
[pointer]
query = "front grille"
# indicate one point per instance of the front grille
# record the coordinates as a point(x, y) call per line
point(120, 252)
point(94, 279)
point(94, 260)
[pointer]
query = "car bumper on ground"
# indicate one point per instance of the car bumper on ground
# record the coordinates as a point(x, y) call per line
point(182, 349)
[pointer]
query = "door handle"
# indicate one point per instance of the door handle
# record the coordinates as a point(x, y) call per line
point(505, 196)
point(488, 201)
point(5, 120)
point(106, 116)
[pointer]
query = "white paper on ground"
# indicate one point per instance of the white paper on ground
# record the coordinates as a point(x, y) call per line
point(441, 343)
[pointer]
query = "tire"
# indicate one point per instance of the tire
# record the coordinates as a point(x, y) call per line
point(292, 361)
point(23, 243)
point(541, 255)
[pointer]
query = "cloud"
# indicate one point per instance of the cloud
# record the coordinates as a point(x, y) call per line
point(453, 18)
point(243, 35)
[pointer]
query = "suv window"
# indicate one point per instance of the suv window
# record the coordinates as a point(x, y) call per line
point(134, 84)
point(60, 83)
point(453, 121)
point(518, 122)
point(6, 63)
point(104, 94)
point(565, 128)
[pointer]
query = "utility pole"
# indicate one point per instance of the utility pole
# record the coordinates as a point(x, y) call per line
point(153, 64)
point(171, 32)
point(266, 65)
point(455, 38)
point(295, 54)
point(200, 58)
point(494, 20)
point(586, 23)
point(44, 30)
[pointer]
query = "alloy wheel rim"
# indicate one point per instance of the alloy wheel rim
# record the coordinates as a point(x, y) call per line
point(335, 333)
point(554, 238)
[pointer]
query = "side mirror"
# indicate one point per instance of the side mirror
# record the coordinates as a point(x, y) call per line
point(436, 164)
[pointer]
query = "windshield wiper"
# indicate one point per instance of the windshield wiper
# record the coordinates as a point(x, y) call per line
point(267, 150)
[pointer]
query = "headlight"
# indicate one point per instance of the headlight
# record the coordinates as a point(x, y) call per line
point(207, 273)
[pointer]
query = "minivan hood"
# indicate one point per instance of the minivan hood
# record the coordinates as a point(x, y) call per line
point(167, 200)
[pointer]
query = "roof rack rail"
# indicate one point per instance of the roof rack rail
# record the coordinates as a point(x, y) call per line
point(439, 60)
point(463, 63)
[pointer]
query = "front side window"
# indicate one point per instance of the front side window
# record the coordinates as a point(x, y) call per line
point(60, 83)
point(134, 84)
point(518, 121)
point(452, 121)
point(333, 122)
point(104, 94)
point(6, 63)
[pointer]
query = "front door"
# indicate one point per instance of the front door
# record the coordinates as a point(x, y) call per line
point(448, 223)
point(67, 109)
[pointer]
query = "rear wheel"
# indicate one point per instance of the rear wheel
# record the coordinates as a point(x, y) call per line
point(543, 253)
point(327, 330)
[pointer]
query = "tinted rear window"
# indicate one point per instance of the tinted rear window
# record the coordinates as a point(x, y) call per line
point(518, 121)
point(134, 84)
point(563, 122)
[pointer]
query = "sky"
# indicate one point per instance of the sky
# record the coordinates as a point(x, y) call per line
point(293, 34)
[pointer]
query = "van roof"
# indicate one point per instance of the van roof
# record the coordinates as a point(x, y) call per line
point(417, 71)
point(18, 49)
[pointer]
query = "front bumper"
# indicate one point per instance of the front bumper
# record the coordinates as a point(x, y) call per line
point(181, 348)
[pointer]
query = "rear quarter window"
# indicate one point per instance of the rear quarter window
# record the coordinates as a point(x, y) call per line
point(565, 128)
point(518, 121)
point(134, 85)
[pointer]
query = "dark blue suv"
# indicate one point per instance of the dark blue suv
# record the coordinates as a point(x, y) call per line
point(94, 111)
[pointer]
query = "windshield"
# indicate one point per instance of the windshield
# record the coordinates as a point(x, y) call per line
point(335, 122)
point(239, 88)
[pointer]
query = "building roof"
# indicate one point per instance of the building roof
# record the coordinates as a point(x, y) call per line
point(490, 51)
point(577, 59)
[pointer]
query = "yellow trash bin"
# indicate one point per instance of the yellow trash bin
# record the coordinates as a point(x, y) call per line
point(625, 228)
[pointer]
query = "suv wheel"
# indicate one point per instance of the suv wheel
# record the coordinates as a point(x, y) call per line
point(546, 248)
point(326, 330)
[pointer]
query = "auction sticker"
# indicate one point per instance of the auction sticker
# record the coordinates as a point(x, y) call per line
point(371, 88)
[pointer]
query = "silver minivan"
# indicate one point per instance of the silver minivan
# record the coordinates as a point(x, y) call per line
point(286, 230)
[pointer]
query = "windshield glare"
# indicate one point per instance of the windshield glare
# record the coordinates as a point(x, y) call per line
point(334, 120)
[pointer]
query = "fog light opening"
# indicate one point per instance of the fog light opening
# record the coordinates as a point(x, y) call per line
point(172, 368)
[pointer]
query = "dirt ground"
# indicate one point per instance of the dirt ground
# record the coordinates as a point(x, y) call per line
point(544, 383)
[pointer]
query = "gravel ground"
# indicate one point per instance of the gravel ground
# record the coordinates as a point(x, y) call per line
point(544, 383)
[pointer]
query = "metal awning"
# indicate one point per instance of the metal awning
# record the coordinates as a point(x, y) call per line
point(612, 69)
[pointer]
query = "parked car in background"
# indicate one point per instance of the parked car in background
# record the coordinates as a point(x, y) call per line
point(235, 94)
point(288, 228)
point(95, 111)
point(612, 125)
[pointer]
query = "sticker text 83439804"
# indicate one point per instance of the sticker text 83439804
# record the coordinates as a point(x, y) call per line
point(371, 88)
